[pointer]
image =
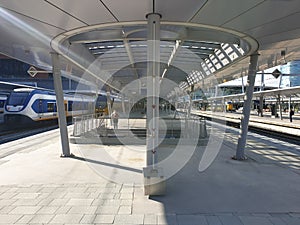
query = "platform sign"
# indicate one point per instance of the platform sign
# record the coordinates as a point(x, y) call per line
point(276, 73)
point(32, 71)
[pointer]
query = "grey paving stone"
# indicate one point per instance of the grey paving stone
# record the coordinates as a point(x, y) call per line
point(69, 185)
point(58, 202)
point(110, 185)
point(41, 218)
point(117, 196)
point(30, 189)
point(150, 219)
point(276, 221)
point(107, 196)
point(261, 214)
point(45, 202)
point(25, 210)
point(291, 220)
point(127, 190)
point(230, 220)
point(112, 190)
point(125, 210)
point(26, 196)
point(281, 215)
point(94, 195)
point(253, 220)
point(104, 219)
point(106, 202)
point(7, 219)
point(50, 185)
point(126, 196)
point(47, 189)
point(43, 196)
point(83, 209)
point(76, 195)
point(129, 219)
point(57, 195)
point(294, 214)
point(7, 202)
point(13, 189)
point(8, 195)
point(167, 219)
point(79, 224)
point(63, 210)
point(79, 202)
point(6, 209)
point(48, 210)
point(84, 185)
point(3, 189)
point(126, 202)
point(26, 202)
point(98, 185)
point(92, 189)
point(25, 219)
point(66, 218)
point(213, 220)
point(88, 219)
point(191, 220)
point(61, 190)
point(108, 209)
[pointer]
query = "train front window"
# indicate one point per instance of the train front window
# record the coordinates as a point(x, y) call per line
point(17, 98)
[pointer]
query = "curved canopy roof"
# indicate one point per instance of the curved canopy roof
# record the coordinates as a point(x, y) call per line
point(105, 41)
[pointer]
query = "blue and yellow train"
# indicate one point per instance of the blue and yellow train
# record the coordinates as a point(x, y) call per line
point(25, 105)
point(2, 103)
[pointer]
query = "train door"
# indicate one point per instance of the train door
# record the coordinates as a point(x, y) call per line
point(51, 109)
point(66, 107)
point(40, 108)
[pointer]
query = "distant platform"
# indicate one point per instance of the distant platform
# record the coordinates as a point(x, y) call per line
point(266, 122)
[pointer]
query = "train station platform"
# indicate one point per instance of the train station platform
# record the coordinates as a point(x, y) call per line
point(101, 184)
point(267, 122)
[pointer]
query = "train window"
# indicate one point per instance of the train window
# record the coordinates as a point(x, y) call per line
point(51, 107)
point(17, 98)
point(70, 106)
point(2, 104)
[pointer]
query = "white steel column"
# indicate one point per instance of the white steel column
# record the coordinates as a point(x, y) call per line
point(280, 107)
point(123, 104)
point(62, 121)
point(108, 101)
point(191, 101)
point(240, 152)
point(261, 98)
point(153, 74)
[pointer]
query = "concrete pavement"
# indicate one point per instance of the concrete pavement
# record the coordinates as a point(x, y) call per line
point(39, 187)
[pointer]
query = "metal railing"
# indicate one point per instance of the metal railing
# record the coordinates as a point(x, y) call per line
point(193, 127)
point(86, 123)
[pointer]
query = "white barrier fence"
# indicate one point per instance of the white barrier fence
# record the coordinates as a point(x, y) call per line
point(86, 123)
point(193, 127)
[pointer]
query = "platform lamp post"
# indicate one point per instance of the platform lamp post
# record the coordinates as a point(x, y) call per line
point(62, 121)
point(240, 152)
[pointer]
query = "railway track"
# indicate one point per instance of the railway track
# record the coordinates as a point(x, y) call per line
point(12, 134)
point(270, 133)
